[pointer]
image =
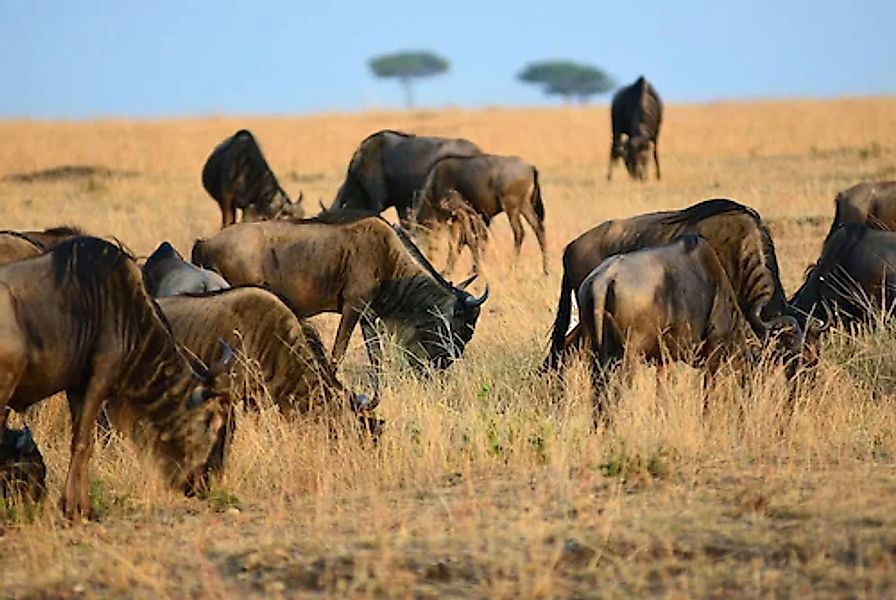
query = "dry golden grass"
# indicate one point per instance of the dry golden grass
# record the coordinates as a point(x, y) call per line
point(490, 481)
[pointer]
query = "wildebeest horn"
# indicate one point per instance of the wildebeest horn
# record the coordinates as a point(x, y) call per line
point(224, 362)
point(466, 282)
point(300, 197)
point(474, 302)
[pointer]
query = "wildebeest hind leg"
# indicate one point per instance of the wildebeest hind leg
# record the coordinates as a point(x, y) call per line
point(656, 160)
point(538, 228)
point(516, 225)
point(374, 352)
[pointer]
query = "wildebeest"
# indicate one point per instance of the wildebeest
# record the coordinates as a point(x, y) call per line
point(466, 227)
point(355, 264)
point(670, 302)
point(166, 273)
point(78, 319)
point(23, 473)
point(236, 175)
point(735, 232)
point(278, 354)
point(389, 166)
point(855, 276)
point(19, 245)
point(636, 115)
point(491, 184)
point(872, 203)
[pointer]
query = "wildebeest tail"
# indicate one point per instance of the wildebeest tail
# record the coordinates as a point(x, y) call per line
point(561, 323)
point(537, 204)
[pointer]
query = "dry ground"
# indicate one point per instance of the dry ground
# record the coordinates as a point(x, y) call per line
point(490, 481)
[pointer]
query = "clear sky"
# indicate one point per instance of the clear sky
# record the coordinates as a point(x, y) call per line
point(90, 58)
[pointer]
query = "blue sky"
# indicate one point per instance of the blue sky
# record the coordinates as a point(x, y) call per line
point(90, 58)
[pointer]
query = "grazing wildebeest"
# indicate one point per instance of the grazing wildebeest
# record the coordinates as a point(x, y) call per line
point(278, 354)
point(166, 273)
point(491, 184)
point(670, 302)
point(19, 245)
point(389, 166)
point(735, 232)
point(78, 319)
point(466, 227)
point(355, 264)
point(855, 276)
point(636, 115)
point(23, 473)
point(236, 175)
point(872, 203)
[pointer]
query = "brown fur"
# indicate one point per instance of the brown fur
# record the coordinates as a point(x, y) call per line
point(872, 203)
point(735, 232)
point(78, 320)
point(491, 184)
point(466, 227)
point(19, 245)
point(359, 265)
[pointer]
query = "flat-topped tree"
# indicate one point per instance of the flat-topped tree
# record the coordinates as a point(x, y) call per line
point(568, 79)
point(406, 67)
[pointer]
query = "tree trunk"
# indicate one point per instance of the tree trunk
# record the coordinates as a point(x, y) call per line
point(406, 84)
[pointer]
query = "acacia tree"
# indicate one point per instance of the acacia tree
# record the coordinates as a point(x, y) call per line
point(408, 66)
point(568, 79)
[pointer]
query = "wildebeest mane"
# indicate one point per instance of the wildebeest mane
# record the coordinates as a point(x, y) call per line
point(61, 230)
point(86, 261)
point(22, 236)
point(340, 216)
point(418, 256)
point(710, 208)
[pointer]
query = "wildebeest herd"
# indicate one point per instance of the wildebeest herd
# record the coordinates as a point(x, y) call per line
point(168, 351)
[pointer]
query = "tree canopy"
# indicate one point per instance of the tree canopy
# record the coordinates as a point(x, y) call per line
point(407, 66)
point(567, 78)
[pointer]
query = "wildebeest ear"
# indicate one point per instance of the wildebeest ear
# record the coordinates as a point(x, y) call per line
point(200, 394)
point(224, 362)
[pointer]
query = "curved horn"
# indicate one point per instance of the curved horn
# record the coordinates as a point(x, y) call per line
point(300, 197)
point(466, 282)
point(224, 362)
point(472, 302)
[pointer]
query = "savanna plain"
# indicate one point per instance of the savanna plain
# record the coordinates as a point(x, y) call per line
point(490, 480)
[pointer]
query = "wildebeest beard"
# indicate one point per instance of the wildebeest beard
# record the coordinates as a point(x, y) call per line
point(427, 317)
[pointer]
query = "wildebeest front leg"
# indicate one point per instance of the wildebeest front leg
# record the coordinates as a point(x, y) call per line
point(84, 408)
point(516, 225)
point(347, 324)
point(610, 162)
point(374, 351)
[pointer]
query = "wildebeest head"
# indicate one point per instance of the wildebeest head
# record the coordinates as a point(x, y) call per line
point(22, 469)
point(280, 207)
point(796, 344)
point(636, 151)
point(456, 324)
point(192, 443)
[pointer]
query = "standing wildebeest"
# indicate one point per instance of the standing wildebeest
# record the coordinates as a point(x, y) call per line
point(236, 175)
point(353, 264)
point(855, 276)
point(78, 319)
point(636, 115)
point(735, 232)
point(491, 184)
point(278, 351)
point(19, 245)
point(872, 203)
point(389, 166)
point(166, 273)
point(671, 302)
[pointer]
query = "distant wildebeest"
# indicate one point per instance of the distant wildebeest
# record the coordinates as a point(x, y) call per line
point(78, 319)
point(236, 175)
point(735, 232)
point(19, 245)
point(166, 273)
point(491, 184)
point(356, 265)
point(855, 276)
point(671, 302)
point(872, 203)
point(23, 473)
point(466, 227)
point(279, 355)
point(389, 166)
point(636, 115)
